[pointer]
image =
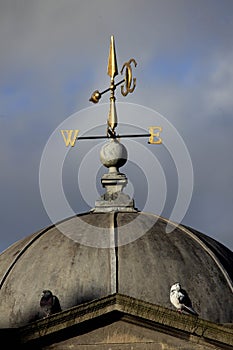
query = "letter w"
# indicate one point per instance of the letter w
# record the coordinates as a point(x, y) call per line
point(67, 136)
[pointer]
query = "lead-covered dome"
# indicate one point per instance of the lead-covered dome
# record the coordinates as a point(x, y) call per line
point(138, 258)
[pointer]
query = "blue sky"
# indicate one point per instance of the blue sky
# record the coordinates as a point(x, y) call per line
point(54, 55)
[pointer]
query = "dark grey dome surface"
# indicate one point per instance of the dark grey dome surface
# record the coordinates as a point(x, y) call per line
point(144, 264)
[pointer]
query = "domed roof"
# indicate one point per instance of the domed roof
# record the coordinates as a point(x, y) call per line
point(136, 257)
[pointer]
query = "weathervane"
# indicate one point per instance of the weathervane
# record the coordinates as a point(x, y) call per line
point(113, 153)
point(128, 85)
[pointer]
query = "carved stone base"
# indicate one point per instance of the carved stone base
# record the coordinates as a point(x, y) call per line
point(117, 201)
point(114, 199)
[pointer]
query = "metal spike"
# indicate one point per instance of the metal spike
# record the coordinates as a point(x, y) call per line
point(112, 62)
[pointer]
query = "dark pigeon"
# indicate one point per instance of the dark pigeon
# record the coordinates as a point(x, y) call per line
point(49, 303)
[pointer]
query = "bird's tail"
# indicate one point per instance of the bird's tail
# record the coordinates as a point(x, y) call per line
point(190, 310)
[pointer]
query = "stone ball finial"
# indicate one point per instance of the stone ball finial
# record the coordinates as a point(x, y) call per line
point(113, 155)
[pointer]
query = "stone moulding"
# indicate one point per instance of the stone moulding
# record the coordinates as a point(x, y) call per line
point(132, 310)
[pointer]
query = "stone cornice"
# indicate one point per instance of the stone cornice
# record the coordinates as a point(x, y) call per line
point(134, 311)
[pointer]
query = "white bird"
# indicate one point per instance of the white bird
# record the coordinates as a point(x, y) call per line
point(180, 299)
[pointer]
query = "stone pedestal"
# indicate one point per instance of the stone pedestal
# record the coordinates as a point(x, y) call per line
point(114, 155)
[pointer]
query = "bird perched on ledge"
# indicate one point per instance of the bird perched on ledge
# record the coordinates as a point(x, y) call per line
point(180, 299)
point(49, 303)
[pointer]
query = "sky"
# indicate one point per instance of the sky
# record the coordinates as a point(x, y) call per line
point(54, 54)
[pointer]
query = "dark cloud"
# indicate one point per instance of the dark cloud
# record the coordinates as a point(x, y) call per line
point(54, 54)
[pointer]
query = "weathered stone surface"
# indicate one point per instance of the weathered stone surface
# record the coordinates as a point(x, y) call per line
point(121, 322)
point(79, 262)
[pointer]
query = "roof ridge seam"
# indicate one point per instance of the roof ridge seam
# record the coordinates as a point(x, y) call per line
point(203, 245)
point(22, 251)
point(208, 250)
point(213, 256)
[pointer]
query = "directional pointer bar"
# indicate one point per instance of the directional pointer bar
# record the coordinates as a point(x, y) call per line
point(116, 136)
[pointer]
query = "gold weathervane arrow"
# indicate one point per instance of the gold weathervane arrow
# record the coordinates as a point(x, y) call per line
point(125, 88)
point(112, 62)
point(128, 85)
